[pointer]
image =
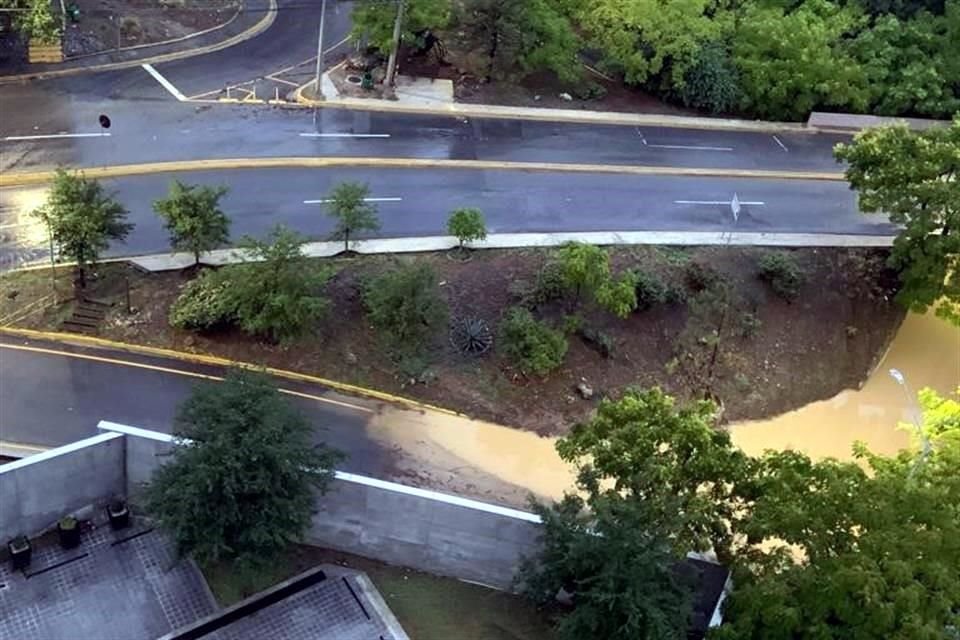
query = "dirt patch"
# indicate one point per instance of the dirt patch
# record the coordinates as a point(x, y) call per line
point(107, 25)
point(826, 340)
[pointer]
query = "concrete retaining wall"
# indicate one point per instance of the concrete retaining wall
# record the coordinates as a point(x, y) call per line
point(37, 491)
point(439, 533)
point(390, 522)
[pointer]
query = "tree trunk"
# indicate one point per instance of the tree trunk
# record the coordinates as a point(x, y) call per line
point(196, 258)
point(492, 52)
point(81, 270)
point(346, 241)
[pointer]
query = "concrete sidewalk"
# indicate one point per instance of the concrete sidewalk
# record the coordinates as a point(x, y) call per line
point(410, 99)
point(172, 261)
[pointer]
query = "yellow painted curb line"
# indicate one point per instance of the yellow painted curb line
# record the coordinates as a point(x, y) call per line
point(265, 22)
point(198, 358)
point(9, 179)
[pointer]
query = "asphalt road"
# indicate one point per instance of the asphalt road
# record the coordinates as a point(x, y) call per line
point(48, 398)
point(162, 129)
point(417, 202)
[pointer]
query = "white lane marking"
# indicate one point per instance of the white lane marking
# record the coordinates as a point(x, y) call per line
point(344, 135)
point(642, 139)
point(339, 44)
point(689, 147)
point(164, 82)
point(326, 200)
point(782, 146)
point(726, 202)
point(51, 136)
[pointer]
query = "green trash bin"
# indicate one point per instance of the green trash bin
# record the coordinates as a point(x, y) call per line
point(73, 12)
point(367, 81)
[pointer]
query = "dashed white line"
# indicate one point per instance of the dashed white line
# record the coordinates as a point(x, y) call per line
point(326, 200)
point(51, 136)
point(344, 135)
point(724, 202)
point(164, 82)
point(689, 147)
point(782, 146)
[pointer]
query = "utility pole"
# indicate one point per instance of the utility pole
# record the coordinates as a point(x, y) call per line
point(392, 62)
point(319, 83)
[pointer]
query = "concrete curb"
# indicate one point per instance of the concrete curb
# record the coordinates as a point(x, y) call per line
point(160, 262)
point(467, 110)
point(15, 179)
point(262, 25)
point(373, 596)
point(198, 358)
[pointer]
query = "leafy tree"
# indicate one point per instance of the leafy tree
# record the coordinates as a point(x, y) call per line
point(466, 225)
point(645, 39)
point(37, 21)
point(790, 63)
point(242, 483)
point(532, 345)
point(275, 294)
point(907, 63)
point(528, 36)
point(193, 218)
point(82, 219)
point(353, 214)
point(585, 268)
point(673, 460)
point(373, 20)
point(405, 305)
point(914, 177)
point(872, 552)
point(712, 82)
point(620, 570)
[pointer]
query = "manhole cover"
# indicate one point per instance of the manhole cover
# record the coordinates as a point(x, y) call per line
point(354, 79)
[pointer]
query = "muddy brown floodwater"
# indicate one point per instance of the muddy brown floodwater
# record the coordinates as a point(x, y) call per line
point(503, 464)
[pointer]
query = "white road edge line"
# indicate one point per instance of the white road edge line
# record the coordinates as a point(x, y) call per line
point(782, 146)
point(724, 202)
point(51, 136)
point(344, 135)
point(164, 82)
point(689, 147)
point(326, 200)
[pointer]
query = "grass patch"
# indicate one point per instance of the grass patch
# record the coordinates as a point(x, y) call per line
point(428, 607)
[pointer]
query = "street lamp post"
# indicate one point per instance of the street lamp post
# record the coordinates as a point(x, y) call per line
point(318, 80)
point(917, 419)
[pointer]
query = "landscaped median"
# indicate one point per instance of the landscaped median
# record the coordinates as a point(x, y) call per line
point(762, 330)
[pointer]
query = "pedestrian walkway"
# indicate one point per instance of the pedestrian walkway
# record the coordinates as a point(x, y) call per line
point(172, 261)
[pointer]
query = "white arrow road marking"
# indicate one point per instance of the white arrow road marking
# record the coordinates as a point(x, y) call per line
point(326, 200)
point(164, 82)
point(717, 202)
point(782, 146)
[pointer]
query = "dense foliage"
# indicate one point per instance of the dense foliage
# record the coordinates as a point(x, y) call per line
point(777, 60)
point(352, 213)
point(405, 306)
point(585, 271)
point(277, 295)
point(532, 345)
point(914, 177)
point(823, 550)
point(82, 219)
point(466, 225)
point(242, 484)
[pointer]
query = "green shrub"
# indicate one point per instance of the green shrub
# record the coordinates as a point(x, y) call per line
point(783, 273)
point(700, 276)
point(619, 297)
point(550, 284)
point(650, 290)
point(750, 323)
point(405, 305)
point(467, 225)
point(204, 303)
point(531, 345)
point(599, 341)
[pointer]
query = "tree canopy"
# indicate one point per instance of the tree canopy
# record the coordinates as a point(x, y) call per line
point(351, 212)
point(193, 218)
point(242, 483)
point(82, 219)
point(914, 177)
